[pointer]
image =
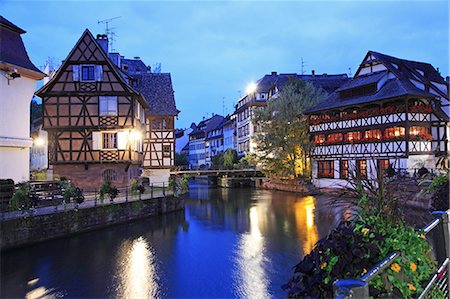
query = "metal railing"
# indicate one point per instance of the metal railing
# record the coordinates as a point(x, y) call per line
point(359, 287)
point(91, 199)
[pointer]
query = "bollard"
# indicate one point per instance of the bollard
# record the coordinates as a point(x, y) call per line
point(351, 288)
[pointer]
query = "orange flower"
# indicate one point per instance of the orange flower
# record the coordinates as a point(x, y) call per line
point(413, 267)
point(365, 231)
point(323, 265)
point(396, 267)
point(422, 236)
point(411, 287)
point(364, 271)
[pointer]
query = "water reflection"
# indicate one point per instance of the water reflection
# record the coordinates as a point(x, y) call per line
point(42, 292)
point(137, 271)
point(252, 280)
point(306, 227)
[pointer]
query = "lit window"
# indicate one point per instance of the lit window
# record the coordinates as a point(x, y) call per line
point(417, 132)
point(319, 139)
point(395, 132)
point(361, 169)
point(108, 105)
point(352, 136)
point(372, 134)
point(344, 169)
point(334, 138)
point(383, 165)
point(109, 140)
point(325, 169)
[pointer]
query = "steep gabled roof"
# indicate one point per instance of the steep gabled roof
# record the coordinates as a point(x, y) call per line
point(158, 92)
point(12, 49)
point(122, 77)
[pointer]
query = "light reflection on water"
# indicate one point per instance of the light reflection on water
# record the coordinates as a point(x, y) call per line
point(251, 278)
point(137, 272)
point(42, 292)
point(305, 223)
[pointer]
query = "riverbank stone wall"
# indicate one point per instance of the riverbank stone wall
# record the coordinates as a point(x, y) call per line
point(23, 231)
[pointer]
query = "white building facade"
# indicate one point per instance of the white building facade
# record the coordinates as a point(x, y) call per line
point(17, 85)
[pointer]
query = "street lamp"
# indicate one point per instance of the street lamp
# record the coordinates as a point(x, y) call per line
point(251, 88)
point(39, 141)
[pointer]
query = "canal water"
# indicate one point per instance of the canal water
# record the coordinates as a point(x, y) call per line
point(228, 243)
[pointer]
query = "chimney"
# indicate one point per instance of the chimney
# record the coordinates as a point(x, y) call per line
point(102, 40)
point(313, 73)
point(274, 73)
point(137, 58)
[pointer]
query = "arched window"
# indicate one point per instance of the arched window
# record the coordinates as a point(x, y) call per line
point(109, 175)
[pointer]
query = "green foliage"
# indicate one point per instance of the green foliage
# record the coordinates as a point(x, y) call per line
point(440, 189)
point(283, 133)
point(35, 110)
point(179, 185)
point(107, 189)
point(247, 161)
point(21, 200)
point(181, 159)
point(230, 158)
point(39, 175)
point(217, 160)
point(134, 187)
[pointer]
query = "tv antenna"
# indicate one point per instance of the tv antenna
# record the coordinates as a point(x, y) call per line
point(303, 66)
point(109, 31)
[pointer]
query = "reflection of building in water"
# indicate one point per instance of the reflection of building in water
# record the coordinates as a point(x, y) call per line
point(251, 279)
point(304, 219)
point(137, 271)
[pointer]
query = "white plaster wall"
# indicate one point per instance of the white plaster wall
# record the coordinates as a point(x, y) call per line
point(15, 140)
point(330, 183)
point(15, 163)
point(415, 162)
point(157, 176)
point(15, 100)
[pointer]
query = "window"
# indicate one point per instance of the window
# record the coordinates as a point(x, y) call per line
point(325, 169)
point(361, 168)
point(108, 105)
point(166, 150)
point(109, 175)
point(87, 73)
point(109, 140)
point(417, 132)
point(395, 132)
point(334, 138)
point(352, 136)
point(372, 135)
point(319, 139)
point(344, 169)
point(383, 165)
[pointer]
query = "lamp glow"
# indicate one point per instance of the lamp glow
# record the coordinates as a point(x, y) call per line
point(135, 135)
point(39, 141)
point(251, 88)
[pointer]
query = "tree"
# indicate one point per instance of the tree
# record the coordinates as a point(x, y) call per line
point(35, 110)
point(217, 161)
point(181, 159)
point(230, 157)
point(282, 141)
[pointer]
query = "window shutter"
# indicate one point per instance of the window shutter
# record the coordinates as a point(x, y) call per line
point(76, 72)
point(122, 138)
point(96, 140)
point(98, 73)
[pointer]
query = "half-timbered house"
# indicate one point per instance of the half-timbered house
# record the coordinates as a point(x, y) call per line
point(393, 114)
point(95, 119)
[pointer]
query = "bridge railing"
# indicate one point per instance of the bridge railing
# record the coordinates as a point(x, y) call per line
point(359, 287)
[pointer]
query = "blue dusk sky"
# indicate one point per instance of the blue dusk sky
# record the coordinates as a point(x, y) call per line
point(214, 49)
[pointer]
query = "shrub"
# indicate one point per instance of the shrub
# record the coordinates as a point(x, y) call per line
point(22, 199)
point(107, 189)
point(134, 186)
point(440, 189)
